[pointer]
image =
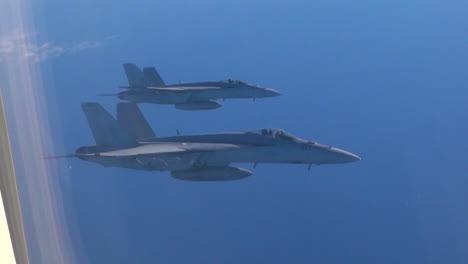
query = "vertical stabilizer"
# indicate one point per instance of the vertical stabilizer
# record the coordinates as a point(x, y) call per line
point(134, 75)
point(132, 120)
point(105, 128)
point(152, 78)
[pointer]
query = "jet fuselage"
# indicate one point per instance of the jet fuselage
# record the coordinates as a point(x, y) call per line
point(196, 93)
point(129, 142)
point(217, 150)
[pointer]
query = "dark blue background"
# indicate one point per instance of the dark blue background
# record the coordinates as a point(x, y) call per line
point(386, 80)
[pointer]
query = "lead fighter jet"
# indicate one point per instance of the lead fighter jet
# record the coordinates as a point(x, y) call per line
point(147, 86)
point(129, 142)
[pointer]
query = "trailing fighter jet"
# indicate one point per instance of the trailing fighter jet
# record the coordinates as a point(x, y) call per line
point(129, 142)
point(147, 86)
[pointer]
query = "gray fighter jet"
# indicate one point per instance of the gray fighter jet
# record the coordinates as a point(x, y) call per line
point(129, 142)
point(147, 86)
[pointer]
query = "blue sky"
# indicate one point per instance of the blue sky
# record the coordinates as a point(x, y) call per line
point(383, 79)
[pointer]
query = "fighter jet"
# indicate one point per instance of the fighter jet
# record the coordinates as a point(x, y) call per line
point(147, 86)
point(129, 142)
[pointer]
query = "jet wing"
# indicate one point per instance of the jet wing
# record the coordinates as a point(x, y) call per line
point(162, 89)
point(168, 148)
point(157, 148)
point(205, 147)
point(182, 89)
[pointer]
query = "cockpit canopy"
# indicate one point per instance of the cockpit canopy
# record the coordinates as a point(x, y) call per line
point(230, 81)
point(275, 133)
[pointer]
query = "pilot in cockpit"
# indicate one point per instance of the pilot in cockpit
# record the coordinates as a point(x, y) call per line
point(267, 132)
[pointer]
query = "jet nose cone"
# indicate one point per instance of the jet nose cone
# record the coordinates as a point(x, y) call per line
point(345, 156)
point(271, 92)
point(353, 157)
